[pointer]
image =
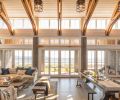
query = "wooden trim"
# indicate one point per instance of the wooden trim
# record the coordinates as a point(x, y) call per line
point(58, 46)
point(90, 9)
point(28, 8)
point(4, 17)
point(115, 17)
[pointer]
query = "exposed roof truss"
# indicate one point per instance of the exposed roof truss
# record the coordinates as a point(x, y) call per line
point(29, 10)
point(4, 17)
point(114, 18)
point(90, 9)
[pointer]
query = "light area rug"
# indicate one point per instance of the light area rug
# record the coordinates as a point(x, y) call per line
point(27, 94)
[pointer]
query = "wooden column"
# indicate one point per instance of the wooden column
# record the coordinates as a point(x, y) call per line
point(83, 53)
point(35, 52)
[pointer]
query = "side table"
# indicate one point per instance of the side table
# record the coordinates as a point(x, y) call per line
point(39, 90)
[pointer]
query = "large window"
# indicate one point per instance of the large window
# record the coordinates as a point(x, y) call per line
point(65, 56)
point(92, 24)
point(18, 23)
point(18, 58)
point(60, 62)
point(101, 24)
point(44, 24)
point(96, 59)
point(75, 24)
point(100, 59)
point(65, 24)
point(53, 62)
point(23, 58)
point(27, 24)
point(53, 24)
point(91, 59)
point(27, 58)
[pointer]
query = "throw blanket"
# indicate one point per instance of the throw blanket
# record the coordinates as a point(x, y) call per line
point(8, 93)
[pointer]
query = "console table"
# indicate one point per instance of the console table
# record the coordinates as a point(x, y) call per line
point(107, 86)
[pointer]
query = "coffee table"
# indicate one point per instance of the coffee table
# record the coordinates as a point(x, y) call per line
point(18, 85)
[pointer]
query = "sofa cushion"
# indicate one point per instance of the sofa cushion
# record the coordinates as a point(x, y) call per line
point(5, 71)
point(12, 71)
point(30, 71)
point(21, 72)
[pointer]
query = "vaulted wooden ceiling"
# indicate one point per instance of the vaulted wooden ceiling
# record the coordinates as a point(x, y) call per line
point(104, 8)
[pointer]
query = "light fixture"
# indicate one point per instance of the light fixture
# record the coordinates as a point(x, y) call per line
point(80, 5)
point(38, 5)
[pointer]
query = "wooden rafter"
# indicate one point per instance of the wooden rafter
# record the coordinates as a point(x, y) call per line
point(59, 11)
point(4, 17)
point(90, 9)
point(29, 10)
point(114, 18)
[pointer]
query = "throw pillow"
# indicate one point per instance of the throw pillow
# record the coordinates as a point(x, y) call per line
point(5, 71)
point(21, 72)
point(12, 71)
point(30, 71)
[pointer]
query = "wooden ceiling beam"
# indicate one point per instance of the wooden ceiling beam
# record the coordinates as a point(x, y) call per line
point(114, 18)
point(29, 10)
point(90, 9)
point(59, 11)
point(4, 17)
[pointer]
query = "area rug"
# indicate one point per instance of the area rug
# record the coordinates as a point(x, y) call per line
point(27, 93)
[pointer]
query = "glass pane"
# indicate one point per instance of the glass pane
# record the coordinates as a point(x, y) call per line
point(92, 24)
point(91, 59)
point(27, 24)
point(53, 24)
point(28, 58)
point(18, 23)
point(101, 24)
point(44, 24)
point(75, 24)
point(65, 24)
point(65, 62)
point(54, 62)
point(18, 58)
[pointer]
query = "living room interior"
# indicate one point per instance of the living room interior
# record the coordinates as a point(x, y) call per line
point(59, 50)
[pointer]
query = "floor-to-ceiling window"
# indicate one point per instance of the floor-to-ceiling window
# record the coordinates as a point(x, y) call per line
point(60, 62)
point(91, 59)
point(65, 56)
point(18, 58)
point(95, 59)
point(53, 62)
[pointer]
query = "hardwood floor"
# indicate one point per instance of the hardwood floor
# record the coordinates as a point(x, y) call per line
point(67, 90)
